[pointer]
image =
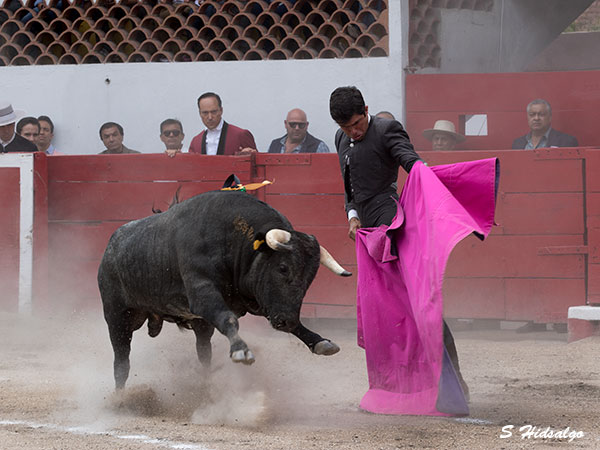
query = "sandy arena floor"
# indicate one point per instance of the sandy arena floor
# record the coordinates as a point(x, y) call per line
point(56, 392)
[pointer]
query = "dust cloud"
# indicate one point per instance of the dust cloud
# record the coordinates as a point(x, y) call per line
point(283, 385)
point(286, 384)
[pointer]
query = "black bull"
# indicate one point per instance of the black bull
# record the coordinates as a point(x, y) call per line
point(204, 263)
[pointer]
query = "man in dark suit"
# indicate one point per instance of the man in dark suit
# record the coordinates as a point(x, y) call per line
point(220, 137)
point(9, 140)
point(371, 150)
point(541, 134)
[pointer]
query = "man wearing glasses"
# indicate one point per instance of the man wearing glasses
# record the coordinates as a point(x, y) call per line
point(220, 137)
point(297, 139)
point(171, 133)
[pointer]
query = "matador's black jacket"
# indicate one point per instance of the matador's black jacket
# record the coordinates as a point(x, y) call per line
point(370, 166)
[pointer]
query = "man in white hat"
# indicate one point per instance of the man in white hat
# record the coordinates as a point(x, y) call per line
point(443, 135)
point(9, 140)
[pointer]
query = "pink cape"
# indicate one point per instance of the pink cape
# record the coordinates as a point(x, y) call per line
point(399, 294)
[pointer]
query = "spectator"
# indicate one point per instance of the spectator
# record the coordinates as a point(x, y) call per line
point(541, 134)
point(112, 134)
point(44, 142)
point(385, 115)
point(171, 133)
point(297, 139)
point(443, 136)
point(38, 5)
point(29, 128)
point(9, 140)
point(220, 137)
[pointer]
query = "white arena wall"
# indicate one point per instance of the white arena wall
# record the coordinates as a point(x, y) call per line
point(256, 94)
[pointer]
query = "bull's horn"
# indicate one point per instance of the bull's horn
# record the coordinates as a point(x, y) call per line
point(328, 261)
point(277, 239)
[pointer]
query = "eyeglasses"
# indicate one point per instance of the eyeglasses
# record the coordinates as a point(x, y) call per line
point(169, 133)
point(300, 125)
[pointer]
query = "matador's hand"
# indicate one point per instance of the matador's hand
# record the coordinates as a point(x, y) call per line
point(354, 225)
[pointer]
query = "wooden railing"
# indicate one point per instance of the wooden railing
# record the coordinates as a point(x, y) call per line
point(541, 258)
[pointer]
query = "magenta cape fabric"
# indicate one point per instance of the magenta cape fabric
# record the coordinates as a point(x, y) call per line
point(399, 298)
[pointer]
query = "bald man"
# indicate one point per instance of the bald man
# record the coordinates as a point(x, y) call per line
point(297, 139)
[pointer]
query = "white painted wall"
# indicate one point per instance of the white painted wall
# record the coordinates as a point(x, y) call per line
point(256, 94)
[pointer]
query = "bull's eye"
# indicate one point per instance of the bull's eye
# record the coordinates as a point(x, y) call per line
point(283, 268)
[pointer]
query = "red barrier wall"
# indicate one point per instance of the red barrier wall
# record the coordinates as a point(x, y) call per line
point(540, 259)
point(9, 238)
point(574, 97)
point(534, 264)
point(40, 232)
point(89, 197)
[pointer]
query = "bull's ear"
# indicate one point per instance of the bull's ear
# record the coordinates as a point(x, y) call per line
point(259, 243)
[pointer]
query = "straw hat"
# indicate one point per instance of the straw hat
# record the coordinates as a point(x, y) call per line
point(444, 127)
point(8, 115)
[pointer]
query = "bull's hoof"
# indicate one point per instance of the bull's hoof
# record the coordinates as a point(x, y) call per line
point(242, 356)
point(325, 347)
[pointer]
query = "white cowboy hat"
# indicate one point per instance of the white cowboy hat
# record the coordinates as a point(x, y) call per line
point(8, 115)
point(445, 127)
